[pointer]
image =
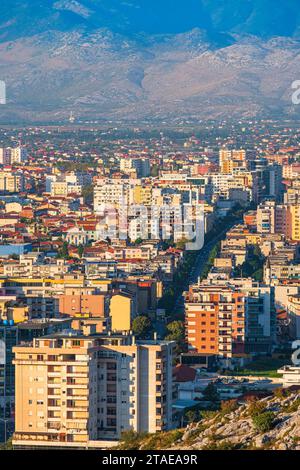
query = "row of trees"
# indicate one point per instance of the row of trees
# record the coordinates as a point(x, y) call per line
point(142, 327)
point(253, 266)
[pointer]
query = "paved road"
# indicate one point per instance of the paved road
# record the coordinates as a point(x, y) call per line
point(204, 255)
point(202, 259)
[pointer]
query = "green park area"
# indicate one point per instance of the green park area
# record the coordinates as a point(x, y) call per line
point(263, 367)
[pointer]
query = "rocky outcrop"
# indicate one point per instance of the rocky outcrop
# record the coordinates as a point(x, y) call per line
point(238, 429)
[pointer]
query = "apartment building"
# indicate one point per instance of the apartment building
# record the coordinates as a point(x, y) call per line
point(64, 188)
point(10, 156)
point(293, 309)
point(139, 166)
point(274, 218)
point(29, 265)
point(11, 334)
point(74, 391)
point(291, 172)
point(141, 194)
point(295, 221)
point(266, 214)
point(260, 318)
point(11, 183)
point(18, 155)
point(9, 337)
point(229, 160)
point(230, 319)
point(215, 320)
point(110, 192)
point(279, 269)
point(123, 310)
point(50, 287)
point(90, 305)
point(292, 194)
point(5, 156)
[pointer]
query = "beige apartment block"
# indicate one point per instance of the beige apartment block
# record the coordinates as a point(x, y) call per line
point(122, 311)
point(74, 391)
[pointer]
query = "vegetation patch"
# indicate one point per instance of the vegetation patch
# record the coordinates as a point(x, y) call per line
point(264, 422)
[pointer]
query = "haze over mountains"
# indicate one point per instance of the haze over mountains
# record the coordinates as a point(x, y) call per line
point(149, 58)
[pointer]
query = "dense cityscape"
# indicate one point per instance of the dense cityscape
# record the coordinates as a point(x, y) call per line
point(122, 318)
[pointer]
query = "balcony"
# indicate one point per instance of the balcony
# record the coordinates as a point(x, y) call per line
point(54, 404)
point(77, 416)
point(77, 405)
point(111, 378)
point(54, 425)
point(53, 380)
point(52, 393)
point(77, 382)
point(54, 374)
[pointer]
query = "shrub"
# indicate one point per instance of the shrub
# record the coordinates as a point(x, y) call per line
point(225, 445)
point(279, 392)
point(229, 406)
point(255, 408)
point(264, 422)
point(162, 440)
point(131, 440)
point(209, 414)
point(191, 416)
point(7, 445)
point(292, 407)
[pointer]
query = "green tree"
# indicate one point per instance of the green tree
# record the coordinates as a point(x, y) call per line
point(165, 244)
point(141, 326)
point(80, 250)
point(176, 332)
point(168, 300)
point(87, 194)
point(210, 393)
point(253, 266)
point(191, 416)
point(64, 252)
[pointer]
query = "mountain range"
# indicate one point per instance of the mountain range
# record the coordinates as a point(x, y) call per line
point(134, 59)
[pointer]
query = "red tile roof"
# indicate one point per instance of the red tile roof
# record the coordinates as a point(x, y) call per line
point(184, 373)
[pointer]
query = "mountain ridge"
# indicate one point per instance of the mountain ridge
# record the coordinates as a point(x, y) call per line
point(263, 18)
point(55, 58)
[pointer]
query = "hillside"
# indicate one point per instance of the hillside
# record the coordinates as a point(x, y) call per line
point(271, 423)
